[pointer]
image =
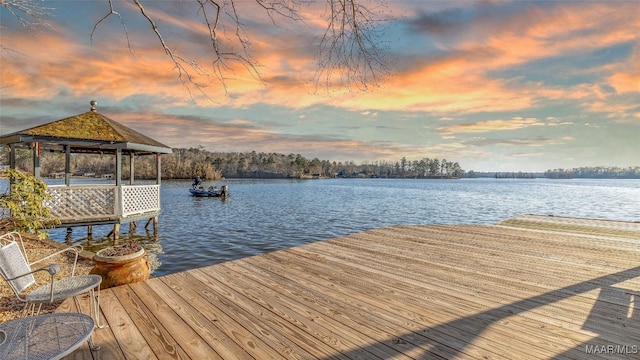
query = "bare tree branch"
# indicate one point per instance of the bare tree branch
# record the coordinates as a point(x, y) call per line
point(220, 57)
point(112, 12)
point(178, 61)
point(28, 13)
point(284, 8)
point(350, 52)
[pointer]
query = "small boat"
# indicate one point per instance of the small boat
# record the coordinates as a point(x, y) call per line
point(210, 192)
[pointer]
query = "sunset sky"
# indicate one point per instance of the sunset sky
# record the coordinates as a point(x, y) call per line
point(494, 85)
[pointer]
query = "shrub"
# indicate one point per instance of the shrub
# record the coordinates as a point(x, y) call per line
point(23, 205)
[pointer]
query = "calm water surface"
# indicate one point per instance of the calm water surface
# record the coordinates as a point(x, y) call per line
point(266, 215)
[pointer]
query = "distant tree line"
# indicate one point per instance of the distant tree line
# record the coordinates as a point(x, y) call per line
point(597, 172)
point(423, 168)
point(188, 163)
point(274, 165)
point(514, 175)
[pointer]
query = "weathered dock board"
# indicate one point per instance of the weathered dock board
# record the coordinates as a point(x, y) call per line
point(402, 292)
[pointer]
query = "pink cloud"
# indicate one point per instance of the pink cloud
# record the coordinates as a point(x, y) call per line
point(626, 76)
point(625, 82)
point(457, 82)
point(460, 82)
point(491, 126)
point(245, 135)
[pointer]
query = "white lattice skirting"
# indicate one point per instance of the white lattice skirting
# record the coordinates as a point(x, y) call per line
point(78, 202)
point(140, 199)
point(71, 202)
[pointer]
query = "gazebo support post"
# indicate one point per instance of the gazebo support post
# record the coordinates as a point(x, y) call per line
point(67, 238)
point(36, 159)
point(154, 221)
point(67, 165)
point(158, 169)
point(131, 168)
point(12, 162)
point(116, 226)
point(12, 156)
point(115, 232)
point(118, 167)
point(158, 181)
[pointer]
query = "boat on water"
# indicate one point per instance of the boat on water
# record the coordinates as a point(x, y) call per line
point(211, 191)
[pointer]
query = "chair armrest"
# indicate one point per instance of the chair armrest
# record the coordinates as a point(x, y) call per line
point(52, 269)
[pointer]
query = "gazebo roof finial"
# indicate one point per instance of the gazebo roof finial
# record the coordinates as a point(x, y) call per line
point(94, 104)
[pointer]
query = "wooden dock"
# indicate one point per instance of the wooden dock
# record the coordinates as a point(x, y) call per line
point(510, 291)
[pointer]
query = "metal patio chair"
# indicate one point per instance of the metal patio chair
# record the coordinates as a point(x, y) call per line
point(17, 271)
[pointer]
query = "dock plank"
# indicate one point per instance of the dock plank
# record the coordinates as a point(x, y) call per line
point(233, 333)
point(189, 328)
point(309, 295)
point(309, 319)
point(416, 266)
point(391, 294)
point(158, 337)
point(263, 324)
point(356, 305)
point(130, 339)
point(492, 290)
point(515, 290)
point(442, 303)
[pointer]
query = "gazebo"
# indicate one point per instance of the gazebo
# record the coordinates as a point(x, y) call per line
point(94, 204)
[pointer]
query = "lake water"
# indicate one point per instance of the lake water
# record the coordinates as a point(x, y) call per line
point(266, 215)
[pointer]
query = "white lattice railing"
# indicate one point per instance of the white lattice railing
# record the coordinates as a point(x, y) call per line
point(77, 203)
point(140, 199)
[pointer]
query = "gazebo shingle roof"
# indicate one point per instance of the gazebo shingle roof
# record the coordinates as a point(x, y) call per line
point(87, 127)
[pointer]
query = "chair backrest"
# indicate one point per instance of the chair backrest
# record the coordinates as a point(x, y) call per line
point(13, 264)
